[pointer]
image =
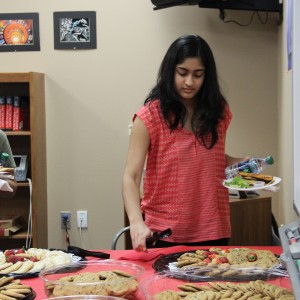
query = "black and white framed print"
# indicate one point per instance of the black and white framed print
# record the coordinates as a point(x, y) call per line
point(19, 32)
point(75, 30)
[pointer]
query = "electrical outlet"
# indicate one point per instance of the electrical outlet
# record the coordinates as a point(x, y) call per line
point(65, 216)
point(82, 219)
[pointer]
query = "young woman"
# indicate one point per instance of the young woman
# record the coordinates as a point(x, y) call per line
point(180, 131)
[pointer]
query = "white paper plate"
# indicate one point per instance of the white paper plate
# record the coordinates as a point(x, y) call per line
point(275, 181)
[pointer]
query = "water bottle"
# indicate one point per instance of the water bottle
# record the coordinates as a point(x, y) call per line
point(253, 165)
point(4, 159)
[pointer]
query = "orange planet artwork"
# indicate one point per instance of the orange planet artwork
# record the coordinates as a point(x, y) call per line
point(16, 32)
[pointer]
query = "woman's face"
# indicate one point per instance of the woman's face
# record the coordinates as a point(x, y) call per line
point(189, 77)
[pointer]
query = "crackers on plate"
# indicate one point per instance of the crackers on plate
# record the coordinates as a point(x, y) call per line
point(33, 260)
point(13, 289)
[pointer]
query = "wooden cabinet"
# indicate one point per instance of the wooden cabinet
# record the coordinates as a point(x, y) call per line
point(30, 201)
point(251, 222)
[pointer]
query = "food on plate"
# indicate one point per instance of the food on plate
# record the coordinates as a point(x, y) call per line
point(238, 182)
point(107, 283)
point(247, 180)
point(21, 261)
point(4, 169)
point(215, 263)
point(255, 177)
point(251, 256)
point(231, 257)
point(167, 295)
point(11, 289)
point(254, 290)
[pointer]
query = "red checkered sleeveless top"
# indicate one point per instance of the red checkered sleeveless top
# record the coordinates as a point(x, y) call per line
point(183, 181)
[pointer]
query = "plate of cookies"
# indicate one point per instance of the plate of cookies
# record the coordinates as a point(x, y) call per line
point(103, 278)
point(11, 288)
point(230, 264)
point(21, 263)
point(165, 287)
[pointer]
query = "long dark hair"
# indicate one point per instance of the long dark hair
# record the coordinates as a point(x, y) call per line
point(210, 103)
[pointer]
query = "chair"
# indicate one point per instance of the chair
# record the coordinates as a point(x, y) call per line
point(117, 236)
point(275, 232)
point(274, 228)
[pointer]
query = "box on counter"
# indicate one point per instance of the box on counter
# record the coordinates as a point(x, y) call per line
point(10, 231)
point(9, 221)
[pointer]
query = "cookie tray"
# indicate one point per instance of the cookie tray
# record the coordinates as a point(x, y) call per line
point(215, 273)
point(93, 278)
point(152, 285)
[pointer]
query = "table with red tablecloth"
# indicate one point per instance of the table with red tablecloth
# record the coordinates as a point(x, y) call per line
point(146, 261)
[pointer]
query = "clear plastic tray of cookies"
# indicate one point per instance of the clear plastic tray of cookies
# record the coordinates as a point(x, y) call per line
point(228, 273)
point(104, 278)
point(165, 286)
point(234, 264)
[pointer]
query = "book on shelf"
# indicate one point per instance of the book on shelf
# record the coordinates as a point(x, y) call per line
point(8, 113)
point(20, 114)
point(14, 113)
point(2, 112)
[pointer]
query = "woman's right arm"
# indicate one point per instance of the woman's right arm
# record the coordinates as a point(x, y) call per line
point(137, 153)
point(231, 160)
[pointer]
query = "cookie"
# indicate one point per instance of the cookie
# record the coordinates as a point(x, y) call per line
point(197, 296)
point(12, 268)
point(107, 283)
point(167, 295)
point(117, 287)
point(5, 266)
point(210, 295)
point(187, 288)
point(5, 297)
point(12, 293)
point(25, 267)
point(5, 280)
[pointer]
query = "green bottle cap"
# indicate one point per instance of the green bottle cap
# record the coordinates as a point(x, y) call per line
point(4, 156)
point(270, 160)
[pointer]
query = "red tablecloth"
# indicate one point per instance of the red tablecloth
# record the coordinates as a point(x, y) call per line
point(145, 260)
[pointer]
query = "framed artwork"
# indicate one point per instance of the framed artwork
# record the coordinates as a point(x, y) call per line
point(19, 32)
point(75, 30)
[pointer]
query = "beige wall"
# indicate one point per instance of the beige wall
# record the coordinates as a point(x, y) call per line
point(91, 96)
point(284, 208)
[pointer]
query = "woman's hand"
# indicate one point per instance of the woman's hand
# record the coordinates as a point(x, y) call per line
point(139, 233)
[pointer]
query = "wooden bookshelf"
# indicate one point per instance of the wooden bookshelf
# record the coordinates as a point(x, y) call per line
point(32, 143)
